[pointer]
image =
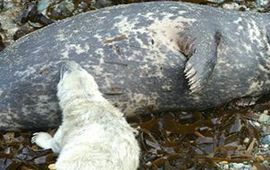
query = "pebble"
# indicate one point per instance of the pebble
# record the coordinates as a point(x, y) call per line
point(265, 140)
point(264, 118)
point(262, 3)
point(239, 166)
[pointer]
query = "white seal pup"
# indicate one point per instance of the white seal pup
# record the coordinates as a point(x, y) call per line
point(94, 135)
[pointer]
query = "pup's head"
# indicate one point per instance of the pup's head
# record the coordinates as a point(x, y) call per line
point(76, 84)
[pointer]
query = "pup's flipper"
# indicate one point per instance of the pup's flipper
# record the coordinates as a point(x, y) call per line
point(45, 141)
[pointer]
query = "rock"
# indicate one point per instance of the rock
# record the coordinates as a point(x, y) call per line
point(265, 140)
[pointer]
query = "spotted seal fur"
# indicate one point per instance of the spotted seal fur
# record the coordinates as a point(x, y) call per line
point(146, 57)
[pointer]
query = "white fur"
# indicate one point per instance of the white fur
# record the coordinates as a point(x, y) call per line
point(94, 135)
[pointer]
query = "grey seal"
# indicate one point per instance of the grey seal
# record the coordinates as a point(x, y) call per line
point(146, 57)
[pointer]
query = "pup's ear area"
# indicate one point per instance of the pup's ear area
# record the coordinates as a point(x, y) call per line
point(68, 67)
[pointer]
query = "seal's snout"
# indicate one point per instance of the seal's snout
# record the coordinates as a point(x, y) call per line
point(68, 67)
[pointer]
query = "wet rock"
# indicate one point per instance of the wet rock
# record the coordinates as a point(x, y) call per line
point(32, 15)
point(239, 166)
point(239, 1)
point(5, 5)
point(246, 141)
point(263, 3)
point(8, 25)
point(61, 10)
point(234, 6)
point(264, 118)
point(5, 163)
point(29, 13)
point(216, 1)
point(236, 126)
point(265, 140)
point(266, 164)
point(102, 3)
point(43, 5)
point(22, 31)
point(41, 160)
point(255, 124)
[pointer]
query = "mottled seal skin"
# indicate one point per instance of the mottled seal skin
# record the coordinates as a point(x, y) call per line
point(148, 57)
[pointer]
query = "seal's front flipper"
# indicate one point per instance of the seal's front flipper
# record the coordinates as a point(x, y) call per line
point(202, 55)
point(247, 101)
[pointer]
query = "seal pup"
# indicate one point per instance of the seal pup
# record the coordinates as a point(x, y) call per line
point(93, 134)
point(146, 57)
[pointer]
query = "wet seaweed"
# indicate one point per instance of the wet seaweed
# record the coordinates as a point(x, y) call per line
point(200, 140)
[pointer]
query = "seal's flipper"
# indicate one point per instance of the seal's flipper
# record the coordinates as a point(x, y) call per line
point(202, 55)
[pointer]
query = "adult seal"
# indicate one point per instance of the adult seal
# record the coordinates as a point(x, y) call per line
point(147, 57)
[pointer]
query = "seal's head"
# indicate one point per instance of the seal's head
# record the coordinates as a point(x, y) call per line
point(74, 83)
